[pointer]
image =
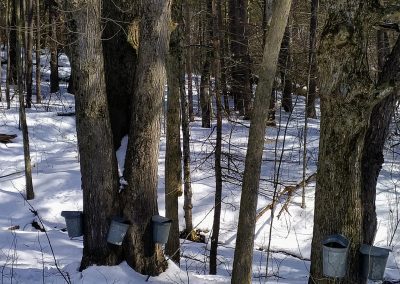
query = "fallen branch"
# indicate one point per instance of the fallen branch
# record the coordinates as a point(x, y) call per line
point(288, 190)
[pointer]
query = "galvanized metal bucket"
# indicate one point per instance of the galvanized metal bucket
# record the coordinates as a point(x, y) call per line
point(334, 254)
point(74, 222)
point(161, 226)
point(117, 231)
point(373, 261)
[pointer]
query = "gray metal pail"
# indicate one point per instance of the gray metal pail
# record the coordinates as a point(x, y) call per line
point(117, 231)
point(373, 261)
point(334, 254)
point(73, 219)
point(161, 226)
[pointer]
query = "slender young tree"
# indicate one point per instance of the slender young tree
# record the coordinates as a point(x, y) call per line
point(22, 115)
point(37, 53)
point(173, 155)
point(188, 62)
point(54, 79)
point(141, 163)
point(28, 52)
point(8, 71)
point(216, 64)
point(312, 61)
point(243, 259)
point(99, 179)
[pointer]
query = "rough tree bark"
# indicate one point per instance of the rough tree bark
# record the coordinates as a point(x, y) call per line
point(285, 63)
point(349, 100)
point(240, 70)
point(173, 155)
point(99, 182)
point(141, 161)
point(243, 259)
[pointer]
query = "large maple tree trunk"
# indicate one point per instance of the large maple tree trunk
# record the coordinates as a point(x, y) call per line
point(97, 157)
point(345, 196)
point(141, 163)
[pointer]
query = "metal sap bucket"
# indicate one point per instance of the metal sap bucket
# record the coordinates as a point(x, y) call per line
point(334, 254)
point(74, 222)
point(161, 226)
point(373, 261)
point(117, 231)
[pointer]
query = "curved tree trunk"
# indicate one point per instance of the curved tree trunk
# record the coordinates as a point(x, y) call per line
point(99, 182)
point(141, 163)
point(243, 260)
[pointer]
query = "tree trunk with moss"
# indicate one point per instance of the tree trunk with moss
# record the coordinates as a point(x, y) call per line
point(97, 157)
point(141, 163)
point(349, 128)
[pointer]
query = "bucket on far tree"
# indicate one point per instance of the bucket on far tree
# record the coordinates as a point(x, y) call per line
point(334, 255)
point(373, 261)
point(74, 222)
point(117, 231)
point(161, 226)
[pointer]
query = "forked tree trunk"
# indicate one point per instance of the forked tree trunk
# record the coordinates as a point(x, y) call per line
point(120, 59)
point(173, 155)
point(243, 259)
point(99, 181)
point(349, 100)
point(141, 162)
point(22, 115)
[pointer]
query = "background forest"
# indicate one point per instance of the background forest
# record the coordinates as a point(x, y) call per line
point(257, 127)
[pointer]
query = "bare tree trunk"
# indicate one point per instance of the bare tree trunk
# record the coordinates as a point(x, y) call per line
point(205, 96)
point(13, 44)
point(216, 8)
point(38, 35)
point(189, 67)
point(54, 80)
point(8, 72)
point(286, 64)
point(29, 46)
point(22, 115)
point(99, 180)
point(186, 115)
point(243, 259)
point(312, 61)
point(141, 161)
point(173, 155)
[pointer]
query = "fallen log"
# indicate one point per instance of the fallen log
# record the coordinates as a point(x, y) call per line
point(7, 138)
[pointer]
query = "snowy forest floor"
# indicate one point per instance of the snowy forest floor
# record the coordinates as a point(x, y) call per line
point(28, 255)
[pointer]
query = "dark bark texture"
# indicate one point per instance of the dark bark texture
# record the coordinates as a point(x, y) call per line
point(120, 60)
point(99, 181)
point(141, 162)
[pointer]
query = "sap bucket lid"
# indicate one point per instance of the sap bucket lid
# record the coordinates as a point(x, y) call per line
point(336, 238)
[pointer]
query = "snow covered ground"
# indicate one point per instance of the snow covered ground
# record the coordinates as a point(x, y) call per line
point(31, 256)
